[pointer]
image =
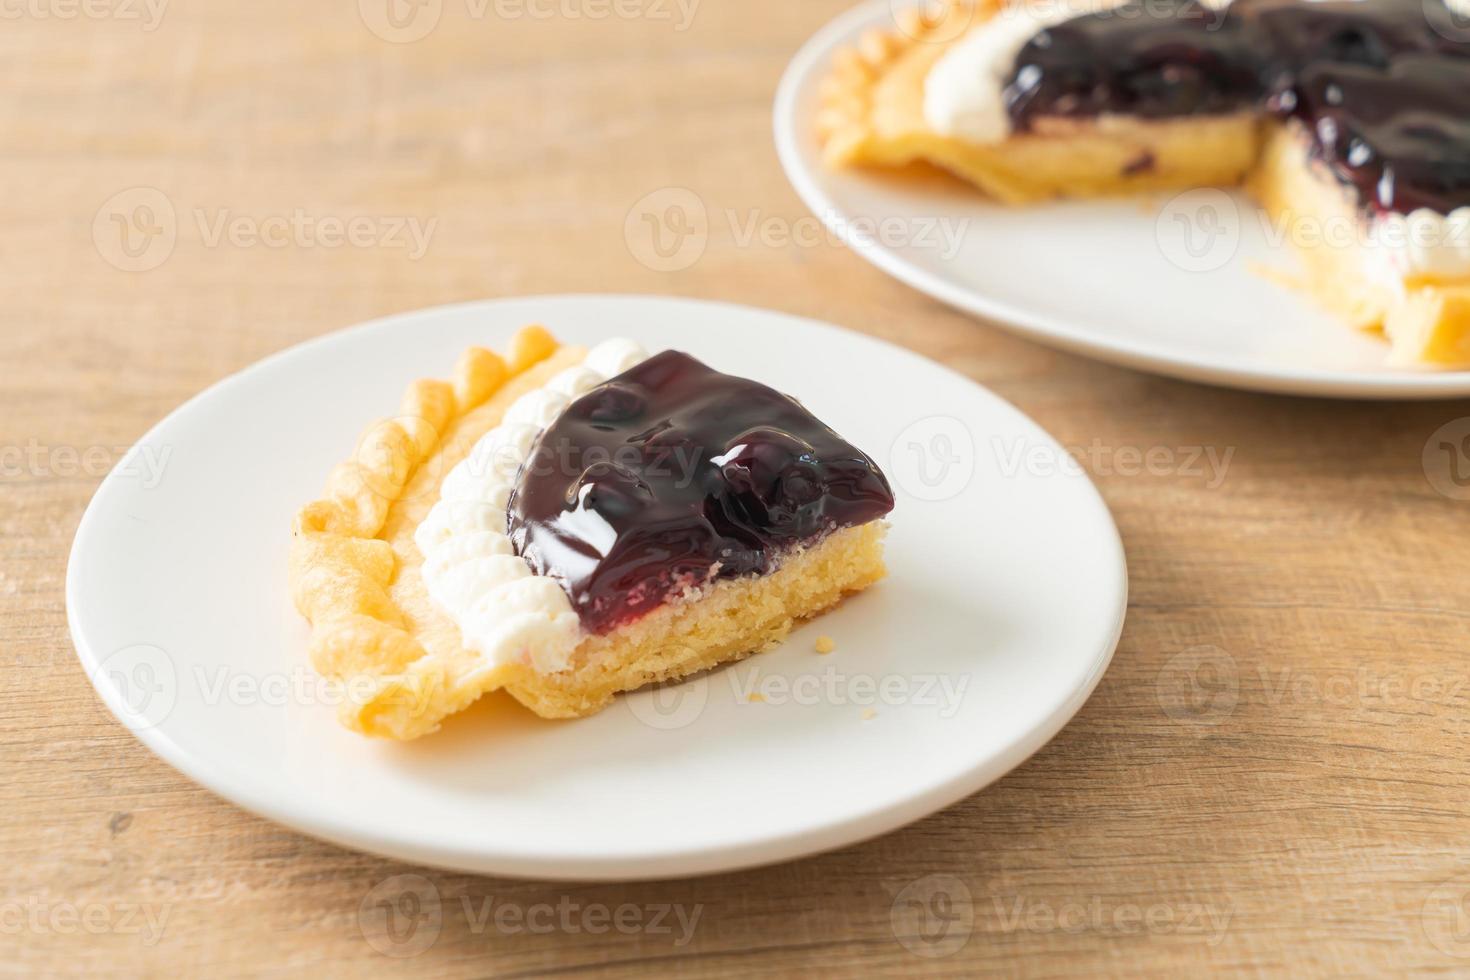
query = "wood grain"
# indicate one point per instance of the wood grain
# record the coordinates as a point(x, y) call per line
point(1272, 777)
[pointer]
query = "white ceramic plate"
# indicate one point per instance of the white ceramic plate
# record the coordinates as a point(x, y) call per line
point(1173, 285)
point(1005, 599)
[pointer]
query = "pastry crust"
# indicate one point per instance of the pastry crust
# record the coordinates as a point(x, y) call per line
point(871, 103)
point(354, 568)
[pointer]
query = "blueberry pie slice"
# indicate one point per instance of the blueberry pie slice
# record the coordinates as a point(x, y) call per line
point(566, 525)
point(1349, 120)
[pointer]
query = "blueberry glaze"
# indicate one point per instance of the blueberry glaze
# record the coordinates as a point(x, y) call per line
point(672, 475)
point(1382, 87)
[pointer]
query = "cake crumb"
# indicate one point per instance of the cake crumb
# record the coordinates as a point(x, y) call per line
point(825, 644)
point(756, 697)
point(869, 714)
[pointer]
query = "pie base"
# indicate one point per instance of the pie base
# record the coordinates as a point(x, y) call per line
point(872, 114)
point(722, 624)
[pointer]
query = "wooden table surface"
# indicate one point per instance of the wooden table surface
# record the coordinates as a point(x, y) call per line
point(1272, 777)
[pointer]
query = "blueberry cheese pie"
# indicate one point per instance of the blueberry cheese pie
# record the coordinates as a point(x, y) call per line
point(1348, 120)
point(567, 524)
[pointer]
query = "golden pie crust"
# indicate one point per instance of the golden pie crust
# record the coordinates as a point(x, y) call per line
point(354, 567)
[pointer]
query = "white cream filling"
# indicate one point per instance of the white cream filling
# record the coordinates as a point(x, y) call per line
point(505, 612)
point(964, 98)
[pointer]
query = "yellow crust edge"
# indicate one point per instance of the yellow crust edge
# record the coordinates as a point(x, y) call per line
point(1427, 322)
point(340, 568)
point(845, 120)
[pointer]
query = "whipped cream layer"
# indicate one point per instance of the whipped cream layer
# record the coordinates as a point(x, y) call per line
point(503, 610)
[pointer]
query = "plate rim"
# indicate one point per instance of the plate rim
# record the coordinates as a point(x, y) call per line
point(651, 864)
point(801, 76)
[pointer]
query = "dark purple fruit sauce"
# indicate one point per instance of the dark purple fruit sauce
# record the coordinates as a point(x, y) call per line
point(1381, 86)
point(672, 475)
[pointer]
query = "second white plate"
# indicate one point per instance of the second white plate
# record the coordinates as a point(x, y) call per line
point(1005, 598)
point(1173, 285)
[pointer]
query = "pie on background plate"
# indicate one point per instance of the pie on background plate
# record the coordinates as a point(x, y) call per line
point(568, 524)
point(1346, 115)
